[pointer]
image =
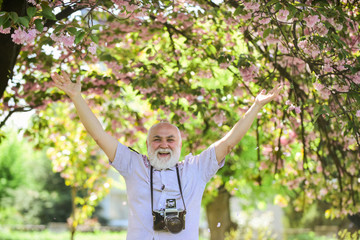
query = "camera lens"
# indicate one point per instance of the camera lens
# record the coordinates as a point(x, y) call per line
point(174, 224)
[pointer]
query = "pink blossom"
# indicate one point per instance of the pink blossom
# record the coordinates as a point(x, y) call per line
point(219, 118)
point(358, 113)
point(18, 36)
point(224, 65)
point(292, 134)
point(343, 88)
point(246, 16)
point(161, 18)
point(352, 170)
point(297, 109)
point(249, 73)
point(338, 27)
point(319, 86)
point(251, 6)
point(321, 29)
point(283, 14)
point(311, 20)
point(5, 31)
point(327, 68)
point(283, 140)
point(356, 78)
point(65, 39)
point(283, 49)
point(302, 44)
point(33, 2)
point(21, 36)
point(92, 48)
point(288, 102)
point(264, 20)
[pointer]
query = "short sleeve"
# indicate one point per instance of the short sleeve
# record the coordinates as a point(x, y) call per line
point(123, 159)
point(208, 165)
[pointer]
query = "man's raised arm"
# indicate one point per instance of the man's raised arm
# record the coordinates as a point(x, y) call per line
point(105, 141)
point(233, 137)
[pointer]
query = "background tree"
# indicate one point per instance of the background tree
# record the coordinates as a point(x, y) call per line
point(206, 60)
point(76, 157)
point(30, 192)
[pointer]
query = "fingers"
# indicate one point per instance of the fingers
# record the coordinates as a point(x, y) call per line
point(65, 76)
point(57, 79)
point(276, 90)
point(61, 79)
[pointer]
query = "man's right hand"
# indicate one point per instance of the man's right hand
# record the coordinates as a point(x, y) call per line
point(105, 141)
point(64, 83)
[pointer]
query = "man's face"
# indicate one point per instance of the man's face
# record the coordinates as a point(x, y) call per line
point(164, 146)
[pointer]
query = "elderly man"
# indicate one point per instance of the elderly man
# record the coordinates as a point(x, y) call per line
point(164, 195)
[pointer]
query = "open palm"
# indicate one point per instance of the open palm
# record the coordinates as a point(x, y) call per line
point(263, 97)
point(64, 83)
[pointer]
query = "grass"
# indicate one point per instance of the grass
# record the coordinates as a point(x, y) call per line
point(47, 235)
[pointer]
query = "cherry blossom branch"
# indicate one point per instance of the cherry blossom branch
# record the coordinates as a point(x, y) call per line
point(63, 14)
point(174, 48)
point(20, 109)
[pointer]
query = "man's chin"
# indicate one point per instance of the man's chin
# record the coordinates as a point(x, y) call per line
point(164, 159)
point(163, 163)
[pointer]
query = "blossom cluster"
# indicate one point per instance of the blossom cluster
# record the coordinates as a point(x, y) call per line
point(64, 38)
point(22, 36)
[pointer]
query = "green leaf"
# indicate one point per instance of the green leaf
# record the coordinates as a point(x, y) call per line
point(39, 25)
point(94, 38)
point(3, 19)
point(211, 50)
point(72, 30)
point(79, 36)
point(278, 6)
point(292, 11)
point(47, 12)
point(266, 32)
point(271, 3)
point(7, 24)
point(238, 10)
point(24, 21)
point(14, 16)
point(95, 27)
point(59, 28)
point(31, 11)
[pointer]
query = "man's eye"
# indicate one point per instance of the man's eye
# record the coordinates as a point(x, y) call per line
point(157, 140)
point(170, 140)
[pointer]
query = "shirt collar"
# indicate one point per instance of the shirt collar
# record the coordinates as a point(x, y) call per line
point(167, 169)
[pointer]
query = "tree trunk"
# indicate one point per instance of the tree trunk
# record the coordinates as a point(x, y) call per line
point(73, 221)
point(218, 215)
point(9, 51)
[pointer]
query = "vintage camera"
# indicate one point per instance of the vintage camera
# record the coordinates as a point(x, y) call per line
point(170, 219)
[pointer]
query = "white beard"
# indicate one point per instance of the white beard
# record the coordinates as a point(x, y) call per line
point(163, 163)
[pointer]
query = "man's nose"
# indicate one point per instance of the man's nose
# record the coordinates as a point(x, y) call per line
point(163, 144)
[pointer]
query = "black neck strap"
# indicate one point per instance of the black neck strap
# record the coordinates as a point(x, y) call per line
point(151, 186)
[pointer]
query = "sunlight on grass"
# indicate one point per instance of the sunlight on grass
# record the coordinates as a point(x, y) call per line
point(47, 235)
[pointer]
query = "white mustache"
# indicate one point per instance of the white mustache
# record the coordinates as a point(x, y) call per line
point(163, 151)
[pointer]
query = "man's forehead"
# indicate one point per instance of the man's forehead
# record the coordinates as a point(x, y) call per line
point(163, 130)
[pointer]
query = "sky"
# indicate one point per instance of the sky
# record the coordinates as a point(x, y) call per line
point(19, 120)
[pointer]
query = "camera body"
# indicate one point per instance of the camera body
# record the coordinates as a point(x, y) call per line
point(170, 219)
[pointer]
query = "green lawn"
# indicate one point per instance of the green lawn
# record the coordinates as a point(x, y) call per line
point(47, 235)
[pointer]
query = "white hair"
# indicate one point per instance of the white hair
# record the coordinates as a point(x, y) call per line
point(153, 126)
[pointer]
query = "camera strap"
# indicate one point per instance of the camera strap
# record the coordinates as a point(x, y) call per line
point(151, 186)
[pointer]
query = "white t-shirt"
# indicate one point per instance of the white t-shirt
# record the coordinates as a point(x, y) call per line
point(194, 171)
